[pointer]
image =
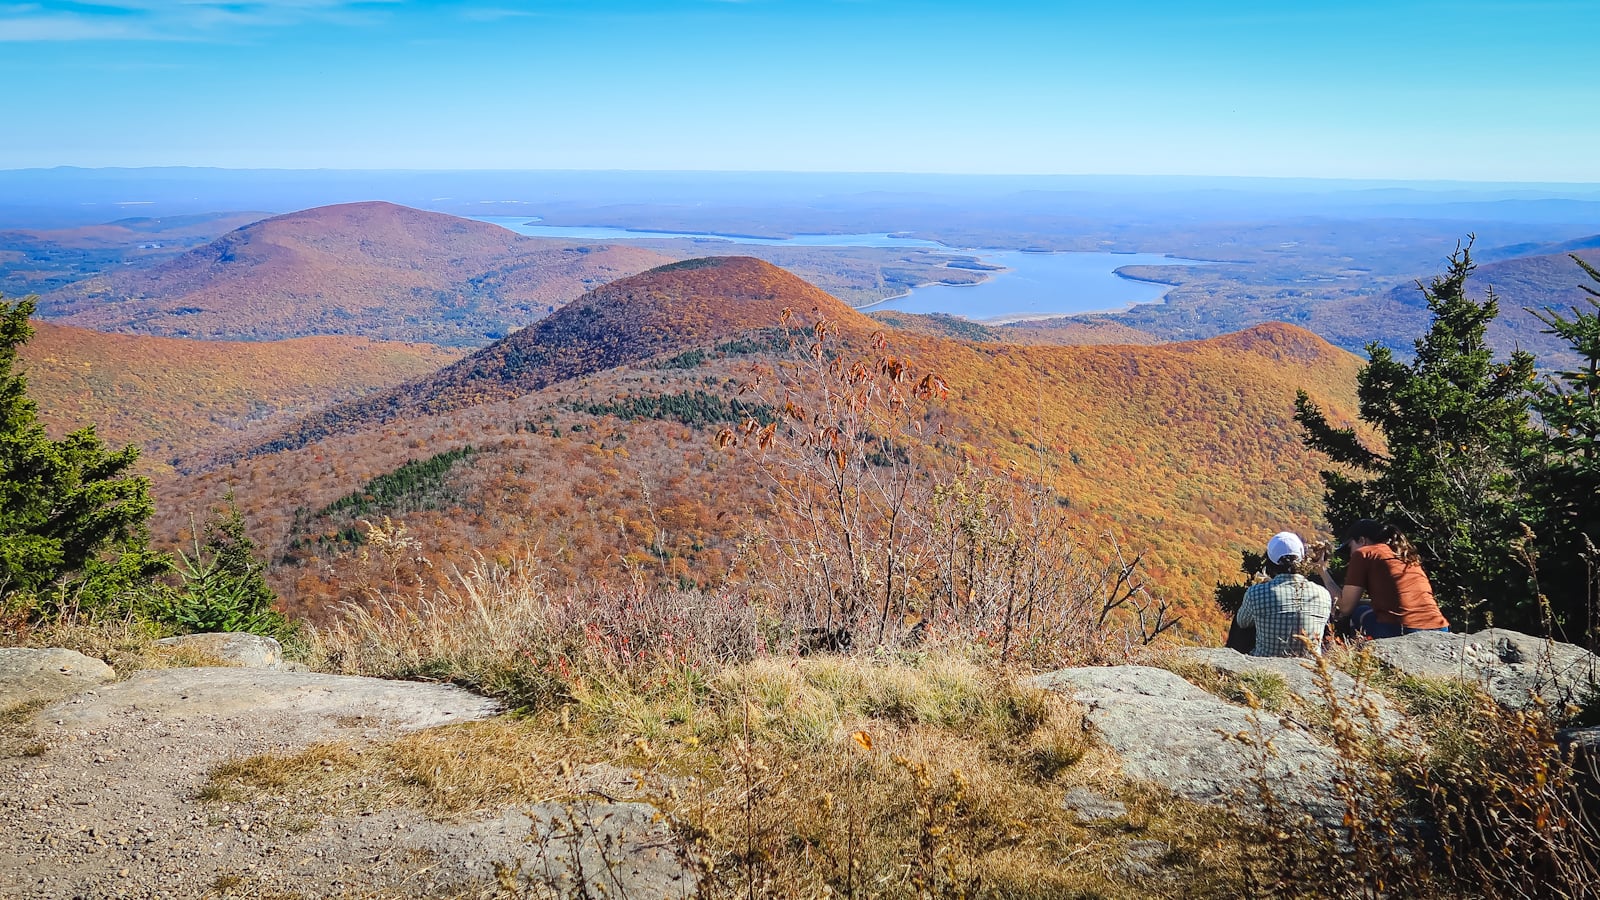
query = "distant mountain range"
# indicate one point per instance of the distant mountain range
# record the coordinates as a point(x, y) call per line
point(1522, 283)
point(34, 260)
point(391, 272)
point(1538, 282)
point(371, 269)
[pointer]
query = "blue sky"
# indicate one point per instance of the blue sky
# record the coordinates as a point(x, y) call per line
point(1492, 91)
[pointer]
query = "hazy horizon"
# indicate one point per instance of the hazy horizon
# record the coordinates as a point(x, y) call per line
point(1124, 179)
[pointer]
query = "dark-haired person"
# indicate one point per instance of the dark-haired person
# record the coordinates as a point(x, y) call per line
point(1385, 567)
point(1288, 611)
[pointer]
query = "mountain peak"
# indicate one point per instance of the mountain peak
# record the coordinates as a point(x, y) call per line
point(672, 307)
point(714, 293)
point(1277, 341)
point(373, 268)
point(669, 307)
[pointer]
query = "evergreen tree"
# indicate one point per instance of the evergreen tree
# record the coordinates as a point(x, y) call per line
point(237, 556)
point(72, 517)
point(1455, 430)
point(224, 583)
point(1567, 486)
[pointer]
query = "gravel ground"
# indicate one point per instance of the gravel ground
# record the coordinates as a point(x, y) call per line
point(100, 797)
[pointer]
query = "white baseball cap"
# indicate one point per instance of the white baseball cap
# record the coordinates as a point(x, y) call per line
point(1285, 544)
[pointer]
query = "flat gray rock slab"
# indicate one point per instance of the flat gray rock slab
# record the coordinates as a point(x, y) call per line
point(232, 647)
point(28, 675)
point(1088, 807)
point(1299, 677)
point(1587, 738)
point(214, 693)
point(1509, 665)
point(580, 849)
point(1171, 733)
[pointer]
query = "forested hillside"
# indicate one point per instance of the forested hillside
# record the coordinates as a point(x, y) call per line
point(677, 305)
point(1522, 283)
point(604, 458)
point(172, 396)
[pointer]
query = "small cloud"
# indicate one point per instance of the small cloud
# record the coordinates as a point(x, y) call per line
point(495, 14)
point(143, 20)
point(67, 28)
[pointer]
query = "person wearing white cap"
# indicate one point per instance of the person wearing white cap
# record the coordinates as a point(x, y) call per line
point(1289, 611)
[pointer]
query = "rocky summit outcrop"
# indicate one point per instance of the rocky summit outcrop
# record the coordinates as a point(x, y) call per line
point(29, 675)
point(102, 794)
point(296, 701)
point(1170, 732)
point(231, 648)
point(574, 849)
point(1510, 666)
point(1299, 678)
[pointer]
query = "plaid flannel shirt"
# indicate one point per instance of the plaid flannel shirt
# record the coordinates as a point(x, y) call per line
point(1281, 610)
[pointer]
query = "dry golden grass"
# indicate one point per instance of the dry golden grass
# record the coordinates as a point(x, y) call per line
point(803, 777)
point(1269, 689)
point(880, 774)
point(1466, 799)
point(127, 645)
point(18, 736)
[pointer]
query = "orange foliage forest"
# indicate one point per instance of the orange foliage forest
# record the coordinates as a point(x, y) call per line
point(1186, 452)
point(174, 396)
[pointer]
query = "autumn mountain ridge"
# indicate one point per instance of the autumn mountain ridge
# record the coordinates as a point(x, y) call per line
point(671, 307)
point(372, 269)
point(589, 439)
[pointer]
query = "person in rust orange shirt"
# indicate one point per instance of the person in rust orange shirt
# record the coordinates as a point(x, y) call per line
point(1384, 566)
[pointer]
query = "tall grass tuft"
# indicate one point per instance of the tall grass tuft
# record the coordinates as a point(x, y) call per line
point(1477, 801)
point(499, 630)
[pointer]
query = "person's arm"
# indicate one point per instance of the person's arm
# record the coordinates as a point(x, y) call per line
point(1334, 590)
point(1348, 598)
point(1355, 579)
point(1247, 612)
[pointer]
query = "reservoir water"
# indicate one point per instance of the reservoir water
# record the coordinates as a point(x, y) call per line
point(1039, 285)
point(1031, 284)
point(521, 225)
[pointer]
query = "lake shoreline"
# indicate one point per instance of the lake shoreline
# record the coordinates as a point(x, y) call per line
point(987, 274)
point(1018, 284)
point(1069, 274)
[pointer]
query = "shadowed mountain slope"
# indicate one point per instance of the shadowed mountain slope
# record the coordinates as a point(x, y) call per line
point(373, 269)
point(1521, 283)
point(171, 396)
point(672, 307)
